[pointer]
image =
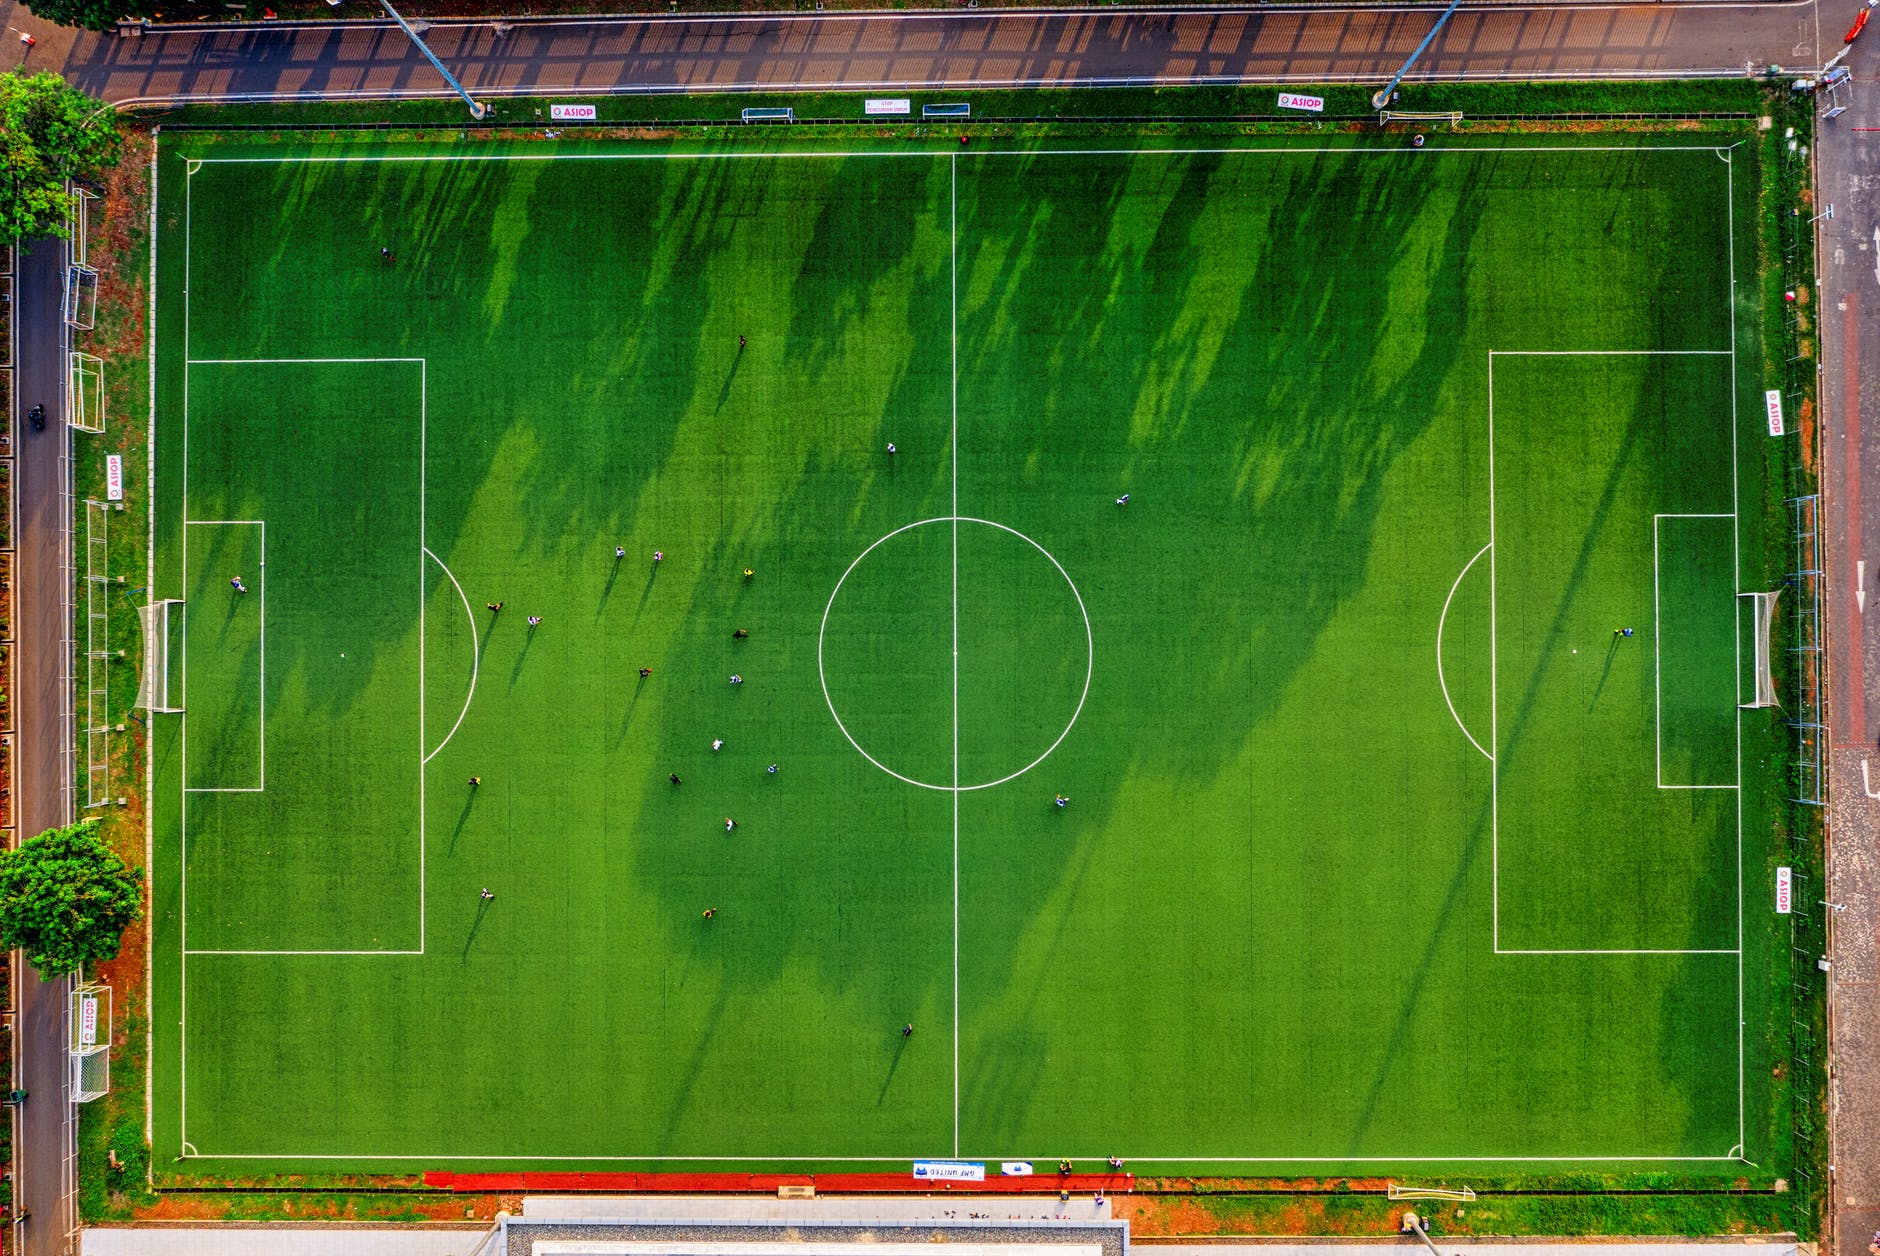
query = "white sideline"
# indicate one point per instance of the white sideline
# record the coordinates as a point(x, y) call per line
point(193, 165)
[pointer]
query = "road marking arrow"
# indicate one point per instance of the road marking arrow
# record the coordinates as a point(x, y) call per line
point(1860, 584)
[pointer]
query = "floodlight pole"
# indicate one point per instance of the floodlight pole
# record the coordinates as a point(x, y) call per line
point(1382, 98)
point(1413, 1224)
point(477, 110)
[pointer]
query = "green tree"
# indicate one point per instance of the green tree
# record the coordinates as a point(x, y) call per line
point(66, 899)
point(49, 133)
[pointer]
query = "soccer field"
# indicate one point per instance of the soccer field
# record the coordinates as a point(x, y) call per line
point(1410, 817)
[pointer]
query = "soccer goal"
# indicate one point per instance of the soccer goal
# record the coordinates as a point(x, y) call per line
point(87, 401)
point(81, 297)
point(1388, 116)
point(153, 691)
point(1461, 1194)
point(91, 1042)
point(1763, 608)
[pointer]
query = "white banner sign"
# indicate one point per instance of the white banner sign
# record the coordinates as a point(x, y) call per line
point(883, 104)
point(949, 1171)
point(573, 113)
point(113, 477)
point(1785, 892)
point(1311, 104)
point(1772, 402)
point(87, 1020)
point(1016, 1168)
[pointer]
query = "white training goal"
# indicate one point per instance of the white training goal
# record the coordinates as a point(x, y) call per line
point(87, 401)
point(1763, 609)
point(1387, 116)
point(153, 693)
point(91, 1042)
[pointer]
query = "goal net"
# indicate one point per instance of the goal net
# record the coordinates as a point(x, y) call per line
point(1388, 116)
point(87, 409)
point(1763, 610)
point(81, 297)
point(153, 691)
point(91, 1042)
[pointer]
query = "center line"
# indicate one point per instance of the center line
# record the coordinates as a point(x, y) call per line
point(953, 442)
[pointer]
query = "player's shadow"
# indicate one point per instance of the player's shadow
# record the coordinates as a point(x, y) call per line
point(724, 392)
point(900, 1050)
point(463, 818)
point(483, 908)
point(646, 590)
point(515, 673)
point(607, 590)
point(1612, 652)
point(483, 641)
point(626, 717)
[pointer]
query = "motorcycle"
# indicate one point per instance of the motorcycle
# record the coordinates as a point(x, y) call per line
point(38, 415)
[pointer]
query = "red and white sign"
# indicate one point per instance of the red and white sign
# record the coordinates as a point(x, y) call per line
point(1311, 104)
point(88, 1020)
point(113, 478)
point(573, 113)
point(1785, 892)
point(1772, 402)
point(875, 105)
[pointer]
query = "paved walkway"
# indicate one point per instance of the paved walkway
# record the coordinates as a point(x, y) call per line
point(907, 51)
point(858, 1209)
point(280, 1240)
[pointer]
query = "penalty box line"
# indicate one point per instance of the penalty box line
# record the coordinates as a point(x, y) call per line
point(423, 429)
point(1494, 665)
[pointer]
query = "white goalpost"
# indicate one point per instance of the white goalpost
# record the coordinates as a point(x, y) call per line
point(1763, 612)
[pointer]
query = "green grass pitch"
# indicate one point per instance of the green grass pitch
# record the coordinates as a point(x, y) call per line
point(1384, 847)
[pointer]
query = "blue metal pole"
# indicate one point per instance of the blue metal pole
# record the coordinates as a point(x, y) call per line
point(1383, 98)
point(476, 110)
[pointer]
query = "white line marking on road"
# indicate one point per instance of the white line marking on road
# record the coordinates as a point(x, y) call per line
point(1860, 584)
point(1866, 782)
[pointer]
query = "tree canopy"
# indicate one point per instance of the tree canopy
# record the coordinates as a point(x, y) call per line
point(49, 133)
point(66, 899)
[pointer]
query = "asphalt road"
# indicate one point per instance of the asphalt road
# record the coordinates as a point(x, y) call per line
point(959, 49)
point(42, 638)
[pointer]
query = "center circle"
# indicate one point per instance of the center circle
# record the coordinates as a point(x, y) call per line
point(955, 653)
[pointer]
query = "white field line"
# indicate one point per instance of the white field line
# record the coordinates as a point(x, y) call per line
point(1395, 150)
point(471, 616)
point(261, 680)
point(953, 443)
point(192, 165)
point(182, 834)
point(1495, 773)
point(150, 595)
point(1035, 1155)
point(423, 434)
point(1441, 620)
point(1736, 508)
point(1657, 648)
